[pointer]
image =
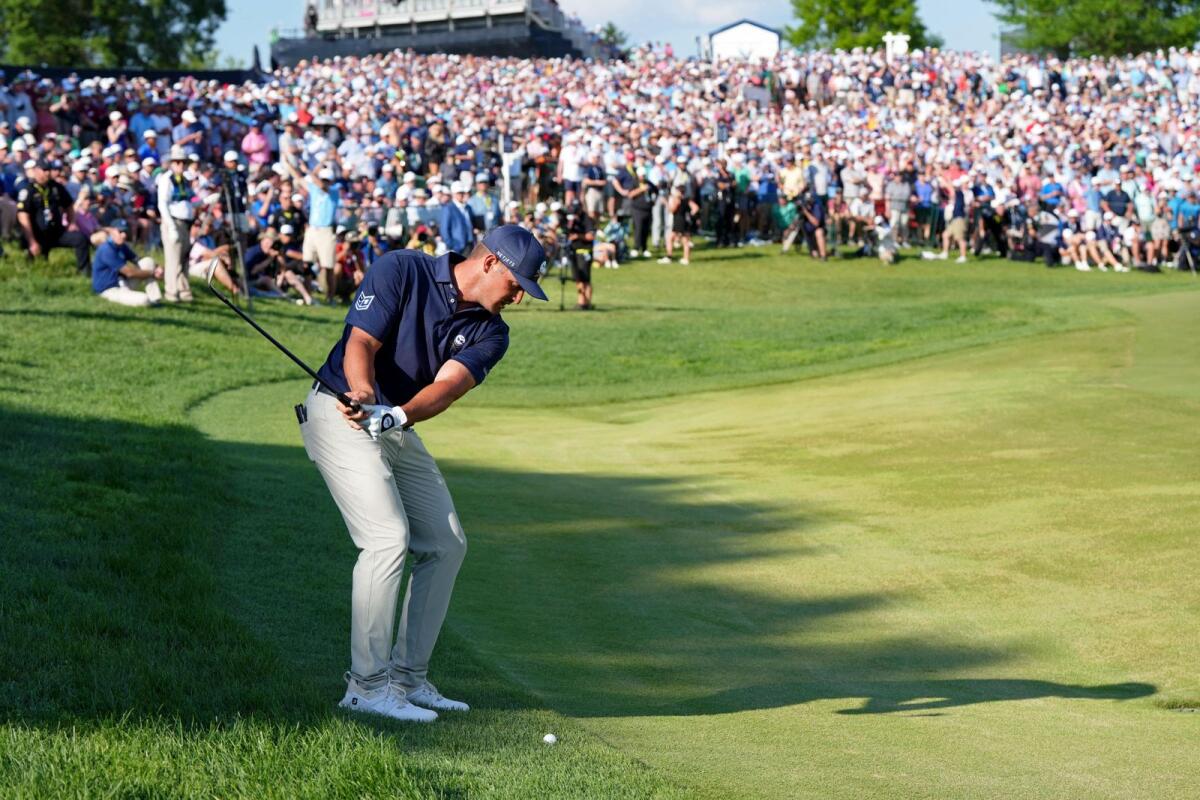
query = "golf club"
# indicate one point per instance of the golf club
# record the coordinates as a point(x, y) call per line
point(341, 398)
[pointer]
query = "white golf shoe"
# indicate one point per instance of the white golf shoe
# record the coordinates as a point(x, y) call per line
point(387, 701)
point(428, 696)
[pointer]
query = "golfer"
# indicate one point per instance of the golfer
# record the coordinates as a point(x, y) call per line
point(421, 333)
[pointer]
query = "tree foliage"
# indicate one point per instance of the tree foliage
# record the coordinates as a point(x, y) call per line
point(109, 33)
point(1104, 27)
point(613, 36)
point(835, 24)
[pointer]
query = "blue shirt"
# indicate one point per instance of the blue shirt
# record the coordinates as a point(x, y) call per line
point(1044, 194)
point(321, 205)
point(408, 301)
point(107, 263)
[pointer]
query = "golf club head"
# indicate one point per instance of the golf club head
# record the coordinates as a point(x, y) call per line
point(211, 273)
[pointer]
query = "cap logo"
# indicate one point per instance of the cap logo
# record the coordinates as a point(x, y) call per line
point(500, 254)
point(542, 269)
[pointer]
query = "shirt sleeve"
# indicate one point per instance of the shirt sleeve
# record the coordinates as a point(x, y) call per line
point(379, 299)
point(481, 356)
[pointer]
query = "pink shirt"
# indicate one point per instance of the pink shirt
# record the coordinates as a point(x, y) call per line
point(254, 145)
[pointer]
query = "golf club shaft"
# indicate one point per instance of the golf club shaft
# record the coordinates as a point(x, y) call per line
point(341, 398)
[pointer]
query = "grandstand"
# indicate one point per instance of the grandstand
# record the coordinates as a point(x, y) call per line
point(483, 27)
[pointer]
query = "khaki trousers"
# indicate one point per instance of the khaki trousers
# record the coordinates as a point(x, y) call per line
point(175, 238)
point(394, 501)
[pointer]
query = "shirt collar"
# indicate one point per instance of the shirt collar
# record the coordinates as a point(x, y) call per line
point(443, 266)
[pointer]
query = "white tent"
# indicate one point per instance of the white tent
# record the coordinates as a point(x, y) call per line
point(744, 40)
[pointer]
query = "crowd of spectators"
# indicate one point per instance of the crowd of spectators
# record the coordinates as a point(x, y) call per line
point(1091, 163)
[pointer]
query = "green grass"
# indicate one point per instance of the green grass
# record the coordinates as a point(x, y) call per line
point(957, 560)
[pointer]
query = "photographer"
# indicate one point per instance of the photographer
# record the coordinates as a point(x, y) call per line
point(810, 218)
point(581, 233)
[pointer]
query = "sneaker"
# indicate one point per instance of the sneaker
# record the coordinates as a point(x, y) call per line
point(1082, 266)
point(645, 254)
point(927, 255)
point(429, 697)
point(1121, 268)
point(684, 262)
point(386, 701)
point(942, 256)
point(960, 260)
point(665, 260)
point(1102, 268)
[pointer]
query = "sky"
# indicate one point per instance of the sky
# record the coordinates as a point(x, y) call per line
point(964, 24)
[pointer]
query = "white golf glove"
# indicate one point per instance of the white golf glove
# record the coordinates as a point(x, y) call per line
point(383, 420)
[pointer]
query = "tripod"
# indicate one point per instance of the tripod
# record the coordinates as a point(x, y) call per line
point(231, 217)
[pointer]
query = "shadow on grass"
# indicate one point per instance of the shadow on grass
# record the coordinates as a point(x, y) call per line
point(155, 572)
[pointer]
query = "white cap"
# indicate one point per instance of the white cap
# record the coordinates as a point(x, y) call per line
point(410, 176)
point(297, 197)
point(150, 134)
point(325, 174)
point(188, 115)
point(31, 163)
point(231, 155)
point(114, 116)
point(23, 122)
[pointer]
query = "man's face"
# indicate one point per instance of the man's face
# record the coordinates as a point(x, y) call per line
point(118, 236)
point(499, 288)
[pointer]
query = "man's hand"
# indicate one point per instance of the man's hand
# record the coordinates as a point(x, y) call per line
point(354, 418)
point(35, 249)
point(384, 420)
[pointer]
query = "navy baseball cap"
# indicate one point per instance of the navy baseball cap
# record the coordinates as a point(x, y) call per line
point(522, 253)
point(119, 225)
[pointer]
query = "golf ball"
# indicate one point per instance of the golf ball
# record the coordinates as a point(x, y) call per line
point(550, 738)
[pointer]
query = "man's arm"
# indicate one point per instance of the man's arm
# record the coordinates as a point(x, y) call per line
point(452, 382)
point(358, 365)
point(27, 226)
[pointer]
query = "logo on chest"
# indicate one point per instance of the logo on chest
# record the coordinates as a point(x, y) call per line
point(459, 342)
point(363, 302)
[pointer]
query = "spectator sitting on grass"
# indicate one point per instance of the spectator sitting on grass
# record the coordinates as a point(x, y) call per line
point(119, 277)
point(206, 255)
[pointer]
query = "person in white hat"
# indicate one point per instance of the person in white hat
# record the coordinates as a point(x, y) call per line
point(188, 134)
point(320, 243)
point(118, 130)
point(454, 224)
point(176, 212)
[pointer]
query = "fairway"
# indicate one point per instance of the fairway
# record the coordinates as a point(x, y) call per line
point(760, 527)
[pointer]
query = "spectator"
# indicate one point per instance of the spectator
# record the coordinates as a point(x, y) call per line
point(118, 276)
point(454, 222)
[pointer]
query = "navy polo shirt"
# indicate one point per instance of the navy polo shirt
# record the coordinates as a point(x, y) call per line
point(107, 263)
point(409, 302)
